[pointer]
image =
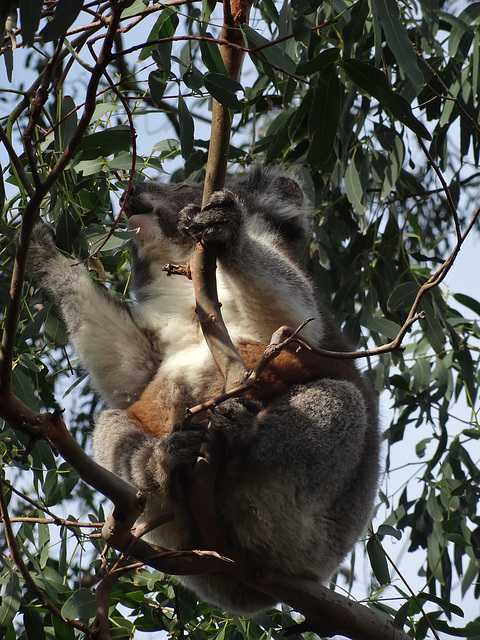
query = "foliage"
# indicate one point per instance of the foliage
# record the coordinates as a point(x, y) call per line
point(376, 103)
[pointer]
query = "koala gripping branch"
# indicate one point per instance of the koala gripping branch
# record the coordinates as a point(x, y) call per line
point(236, 13)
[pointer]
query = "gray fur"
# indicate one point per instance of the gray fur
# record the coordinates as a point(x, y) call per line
point(299, 476)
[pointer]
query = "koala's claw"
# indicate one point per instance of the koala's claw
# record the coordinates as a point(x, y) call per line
point(237, 420)
point(218, 221)
point(184, 446)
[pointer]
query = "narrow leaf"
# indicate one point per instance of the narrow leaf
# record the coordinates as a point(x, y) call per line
point(30, 13)
point(211, 57)
point(353, 187)
point(272, 53)
point(375, 83)
point(378, 560)
point(324, 116)
point(396, 34)
point(164, 27)
point(223, 89)
point(10, 602)
point(318, 63)
point(157, 84)
point(66, 12)
point(186, 124)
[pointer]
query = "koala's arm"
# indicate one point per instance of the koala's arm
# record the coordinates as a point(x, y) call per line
point(117, 353)
point(267, 288)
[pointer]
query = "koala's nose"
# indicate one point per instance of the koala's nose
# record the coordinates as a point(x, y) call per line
point(127, 200)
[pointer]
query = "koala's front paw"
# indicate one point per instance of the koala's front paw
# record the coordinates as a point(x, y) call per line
point(42, 250)
point(184, 446)
point(218, 221)
point(237, 420)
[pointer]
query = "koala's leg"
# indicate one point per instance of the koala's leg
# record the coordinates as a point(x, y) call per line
point(117, 353)
point(263, 287)
point(154, 465)
point(122, 446)
point(308, 476)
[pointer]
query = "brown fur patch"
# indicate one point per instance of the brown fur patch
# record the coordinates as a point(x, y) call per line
point(164, 401)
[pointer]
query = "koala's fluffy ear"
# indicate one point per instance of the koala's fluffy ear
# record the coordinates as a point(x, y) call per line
point(290, 189)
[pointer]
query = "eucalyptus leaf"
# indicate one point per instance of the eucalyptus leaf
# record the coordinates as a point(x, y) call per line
point(30, 14)
point(186, 123)
point(324, 116)
point(387, 12)
point(223, 89)
point(375, 83)
point(80, 606)
point(65, 14)
point(378, 560)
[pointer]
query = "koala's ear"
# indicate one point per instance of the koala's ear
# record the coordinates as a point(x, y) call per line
point(290, 189)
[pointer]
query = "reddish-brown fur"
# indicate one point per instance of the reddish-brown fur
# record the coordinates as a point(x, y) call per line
point(155, 412)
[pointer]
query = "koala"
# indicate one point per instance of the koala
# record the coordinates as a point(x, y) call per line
point(299, 467)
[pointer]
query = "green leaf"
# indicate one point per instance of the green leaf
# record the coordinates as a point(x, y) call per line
point(106, 142)
point(271, 53)
point(375, 82)
point(67, 230)
point(403, 296)
point(68, 123)
point(2, 192)
point(325, 58)
point(467, 301)
point(30, 14)
point(24, 389)
point(80, 606)
point(186, 124)
point(164, 27)
point(387, 530)
point(55, 331)
point(11, 599)
point(66, 12)
point(463, 30)
point(223, 89)
point(353, 187)
point(378, 560)
point(396, 35)
point(324, 116)
point(63, 631)
point(33, 624)
point(444, 604)
point(382, 326)
point(162, 57)
point(211, 57)
point(157, 84)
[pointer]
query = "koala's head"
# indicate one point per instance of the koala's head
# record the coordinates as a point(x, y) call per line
point(153, 209)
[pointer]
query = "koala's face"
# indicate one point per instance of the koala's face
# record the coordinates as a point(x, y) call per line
point(154, 210)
